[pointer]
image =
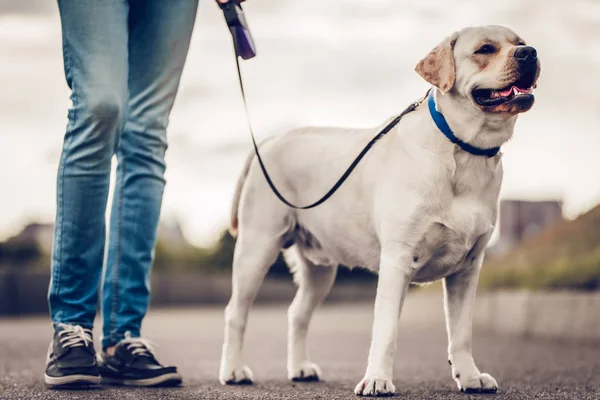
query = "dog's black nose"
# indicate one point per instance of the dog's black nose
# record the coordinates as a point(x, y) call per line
point(525, 53)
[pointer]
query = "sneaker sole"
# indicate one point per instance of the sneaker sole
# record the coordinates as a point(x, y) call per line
point(72, 380)
point(172, 379)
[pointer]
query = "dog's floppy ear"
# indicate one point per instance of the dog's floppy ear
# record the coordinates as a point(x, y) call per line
point(437, 67)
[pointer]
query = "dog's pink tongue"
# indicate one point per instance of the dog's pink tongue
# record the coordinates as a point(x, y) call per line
point(506, 92)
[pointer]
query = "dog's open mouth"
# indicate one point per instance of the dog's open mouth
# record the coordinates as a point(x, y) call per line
point(493, 97)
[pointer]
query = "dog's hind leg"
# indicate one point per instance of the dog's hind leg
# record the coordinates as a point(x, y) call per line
point(314, 283)
point(254, 253)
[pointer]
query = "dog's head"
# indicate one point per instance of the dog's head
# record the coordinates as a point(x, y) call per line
point(491, 66)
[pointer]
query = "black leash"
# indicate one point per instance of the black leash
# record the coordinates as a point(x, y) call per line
point(340, 181)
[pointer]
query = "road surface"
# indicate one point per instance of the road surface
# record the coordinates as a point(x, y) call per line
point(339, 340)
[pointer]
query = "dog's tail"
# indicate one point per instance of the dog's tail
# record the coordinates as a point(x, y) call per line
point(233, 227)
point(296, 263)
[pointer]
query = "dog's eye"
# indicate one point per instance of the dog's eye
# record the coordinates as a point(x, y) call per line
point(486, 49)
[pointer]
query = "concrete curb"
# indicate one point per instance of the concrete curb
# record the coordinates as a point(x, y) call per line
point(565, 316)
point(25, 292)
point(569, 316)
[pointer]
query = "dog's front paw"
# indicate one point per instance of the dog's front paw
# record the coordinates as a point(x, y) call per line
point(371, 386)
point(236, 376)
point(305, 372)
point(479, 383)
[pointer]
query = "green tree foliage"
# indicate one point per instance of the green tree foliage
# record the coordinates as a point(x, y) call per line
point(19, 252)
point(566, 256)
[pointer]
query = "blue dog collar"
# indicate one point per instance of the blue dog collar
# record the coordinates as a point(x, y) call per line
point(442, 125)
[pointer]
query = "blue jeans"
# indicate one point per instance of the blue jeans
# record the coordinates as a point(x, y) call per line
point(123, 62)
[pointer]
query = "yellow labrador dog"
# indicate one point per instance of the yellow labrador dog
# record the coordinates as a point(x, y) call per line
point(420, 207)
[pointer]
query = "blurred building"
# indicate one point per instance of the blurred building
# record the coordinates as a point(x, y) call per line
point(520, 219)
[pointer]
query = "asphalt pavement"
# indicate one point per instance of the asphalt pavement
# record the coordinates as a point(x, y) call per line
point(339, 341)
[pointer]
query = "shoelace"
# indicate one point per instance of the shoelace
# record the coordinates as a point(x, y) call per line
point(74, 336)
point(139, 346)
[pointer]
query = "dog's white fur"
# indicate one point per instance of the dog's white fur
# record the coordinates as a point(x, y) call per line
point(416, 209)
